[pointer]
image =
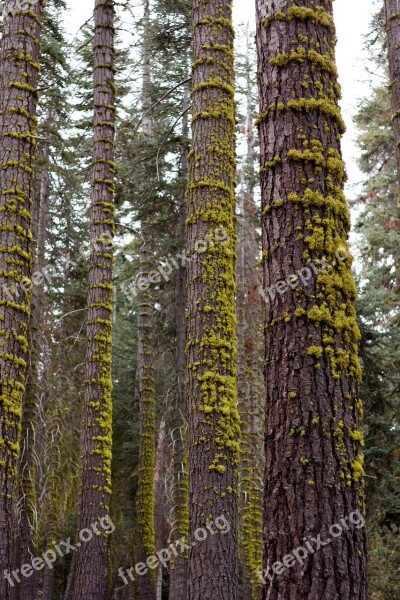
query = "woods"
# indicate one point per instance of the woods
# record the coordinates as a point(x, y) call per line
point(199, 341)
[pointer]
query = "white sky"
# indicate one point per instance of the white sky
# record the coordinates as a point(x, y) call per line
point(352, 19)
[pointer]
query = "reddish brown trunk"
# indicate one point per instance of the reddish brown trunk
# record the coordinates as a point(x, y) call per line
point(392, 15)
point(91, 581)
point(313, 443)
point(179, 513)
point(19, 73)
point(211, 326)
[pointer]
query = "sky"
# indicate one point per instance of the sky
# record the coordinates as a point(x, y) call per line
point(352, 18)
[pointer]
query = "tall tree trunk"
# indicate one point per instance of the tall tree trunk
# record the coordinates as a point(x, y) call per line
point(146, 541)
point(313, 441)
point(250, 374)
point(147, 408)
point(27, 514)
point(179, 513)
point(392, 16)
point(19, 74)
point(211, 331)
point(91, 581)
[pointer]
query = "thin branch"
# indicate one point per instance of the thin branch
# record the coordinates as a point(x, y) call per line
point(166, 138)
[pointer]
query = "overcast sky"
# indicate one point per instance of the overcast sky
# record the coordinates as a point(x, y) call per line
point(352, 19)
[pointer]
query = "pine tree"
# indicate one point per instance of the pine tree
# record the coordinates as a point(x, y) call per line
point(314, 443)
point(19, 73)
point(249, 327)
point(146, 540)
point(393, 46)
point(211, 326)
point(92, 564)
point(378, 226)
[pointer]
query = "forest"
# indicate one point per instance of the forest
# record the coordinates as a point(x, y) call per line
point(199, 324)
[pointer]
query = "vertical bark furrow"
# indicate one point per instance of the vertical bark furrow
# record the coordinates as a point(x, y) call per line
point(314, 458)
point(19, 74)
point(211, 334)
point(91, 574)
point(392, 15)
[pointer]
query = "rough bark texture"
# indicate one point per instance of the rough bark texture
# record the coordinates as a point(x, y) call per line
point(392, 16)
point(178, 428)
point(314, 459)
point(250, 369)
point(19, 73)
point(146, 540)
point(27, 505)
point(91, 582)
point(211, 331)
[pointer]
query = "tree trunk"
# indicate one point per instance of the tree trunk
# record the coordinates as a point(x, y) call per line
point(179, 513)
point(27, 515)
point(147, 408)
point(313, 440)
point(146, 540)
point(392, 16)
point(211, 327)
point(91, 581)
point(19, 73)
point(250, 372)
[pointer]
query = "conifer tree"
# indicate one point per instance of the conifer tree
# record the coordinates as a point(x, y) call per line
point(19, 74)
point(313, 440)
point(92, 581)
point(249, 328)
point(146, 540)
point(392, 15)
point(211, 325)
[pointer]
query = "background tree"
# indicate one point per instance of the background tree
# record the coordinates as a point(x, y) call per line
point(249, 328)
point(392, 17)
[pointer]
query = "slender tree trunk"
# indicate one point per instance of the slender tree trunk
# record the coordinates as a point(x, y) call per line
point(146, 541)
point(313, 441)
point(147, 408)
point(179, 514)
point(211, 331)
point(19, 73)
point(27, 514)
point(91, 581)
point(160, 497)
point(250, 374)
point(392, 15)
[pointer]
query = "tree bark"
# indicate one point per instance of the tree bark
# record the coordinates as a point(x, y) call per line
point(392, 16)
point(313, 440)
point(27, 514)
point(146, 539)
point(211, 327)
point(91, 581)
point(178, 425)
point(250, 386)
point(19, 74)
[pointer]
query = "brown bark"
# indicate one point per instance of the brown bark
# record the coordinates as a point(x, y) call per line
point(250, 371)
point(146, 369)
point(91, 581)
point(27, 526)
point(392, 16)
point(19, 73)
point(211, 326)
point(179, 516)
point(313, 442)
